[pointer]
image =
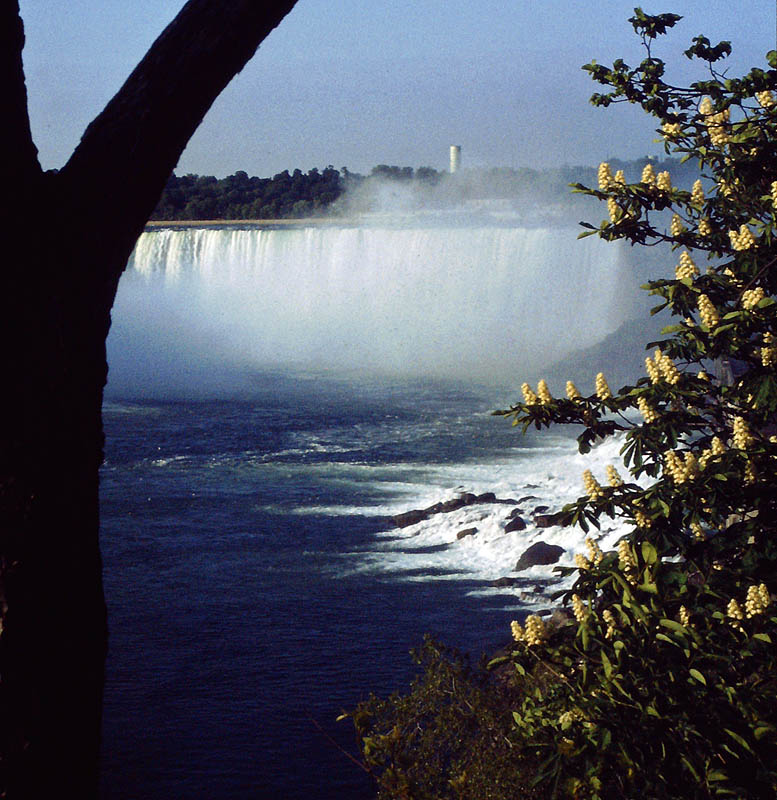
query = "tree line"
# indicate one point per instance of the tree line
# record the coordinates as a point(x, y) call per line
point(329, 191)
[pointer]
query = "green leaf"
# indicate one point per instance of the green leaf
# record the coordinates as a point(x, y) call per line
point(690, 768)
point(739, 740)
point(763, 730)
point(607, 665)
point(673, 626)
point(649, 553)
point(764, 637)
point(694, 673)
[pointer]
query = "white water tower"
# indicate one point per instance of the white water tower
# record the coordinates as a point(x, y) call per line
point(455, 157)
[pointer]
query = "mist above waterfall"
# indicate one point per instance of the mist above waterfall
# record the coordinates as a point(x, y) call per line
point(199, 309)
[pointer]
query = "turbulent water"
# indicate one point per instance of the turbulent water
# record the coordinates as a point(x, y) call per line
point(256, 584)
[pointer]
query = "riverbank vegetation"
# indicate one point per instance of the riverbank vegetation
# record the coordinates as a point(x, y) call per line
point(335, 192)
point(658, 676)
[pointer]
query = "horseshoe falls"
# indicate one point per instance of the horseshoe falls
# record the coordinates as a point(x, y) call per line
point(479, 303)
point(277, 396)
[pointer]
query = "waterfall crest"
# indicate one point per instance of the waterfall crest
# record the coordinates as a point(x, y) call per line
point(481, 302)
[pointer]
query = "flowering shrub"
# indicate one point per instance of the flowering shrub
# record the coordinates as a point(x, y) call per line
point(661, 681)
point(666, 675)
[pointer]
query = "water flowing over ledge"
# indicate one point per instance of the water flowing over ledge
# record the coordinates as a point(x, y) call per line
point(477, 301)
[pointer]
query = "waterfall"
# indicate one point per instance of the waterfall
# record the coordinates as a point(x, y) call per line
point(482, 302)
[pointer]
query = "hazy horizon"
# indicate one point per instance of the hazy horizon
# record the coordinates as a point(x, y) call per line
point(393, 85)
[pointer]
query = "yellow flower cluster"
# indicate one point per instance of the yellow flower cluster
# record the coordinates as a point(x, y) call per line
point(734, 610)
point(572, 392)
point(758, 600)
point(627, 562)
point(666, 367)
point(609, 618)
point(581, 562)
point(654, 373)
point(648, 175)
point(717, 128)
point(716, 448)
point(707, 311)
point(649, 413)
point(685, 617)
point(613, 209)
point(620, 178)
point(750, 476)
point(742, 438)
point(642, 519)
point(592, 486)
point(743, 239)
point(686, 268)
point(765, 99)
point(691, 465)
point(613, 478)
point(625, 556)
point(680, 469)
point(717, 124)
point(697, 532)
point(579, 609)
point(676, 227)
point(602, 389)
point(529, 398)
point(752, 297)
point(544, 393)
point(535, 632)
point(672, 130)
point(769, 351)
point(664, 182)
point(595, 553)
point(705, 229)
point(697, 193)
point(774, 193)
point(605, 176)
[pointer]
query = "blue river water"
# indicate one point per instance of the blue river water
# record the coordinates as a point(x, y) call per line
point(247, 604)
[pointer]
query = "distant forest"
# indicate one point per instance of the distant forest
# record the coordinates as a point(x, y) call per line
point(341, 192)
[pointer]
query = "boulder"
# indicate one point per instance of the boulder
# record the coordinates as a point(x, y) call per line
point(515, 512)
point(486, 497)
point(541, 509)
point(515, 524)
point(548, 520)
point(500, 582)
point(540, 553)
point(466, 532)
point(409, 518)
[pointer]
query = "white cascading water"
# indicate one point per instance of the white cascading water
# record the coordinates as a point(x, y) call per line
point(478, 302)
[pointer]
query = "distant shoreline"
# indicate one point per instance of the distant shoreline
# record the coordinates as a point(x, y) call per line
point(249, 223)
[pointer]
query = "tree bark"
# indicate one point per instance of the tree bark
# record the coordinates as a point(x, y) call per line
point(58, 279)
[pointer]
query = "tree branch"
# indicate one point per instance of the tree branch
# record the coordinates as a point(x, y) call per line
point(18, 155)
point(127, 153)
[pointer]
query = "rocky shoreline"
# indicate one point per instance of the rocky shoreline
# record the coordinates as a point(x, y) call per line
point(538, 554)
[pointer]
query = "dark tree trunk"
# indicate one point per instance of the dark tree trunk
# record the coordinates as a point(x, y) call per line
point(57, 284)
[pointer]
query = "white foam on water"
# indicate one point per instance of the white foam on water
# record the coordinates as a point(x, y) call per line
point(551, 476)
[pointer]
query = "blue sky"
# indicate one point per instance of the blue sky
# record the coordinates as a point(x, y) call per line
point(360, 83)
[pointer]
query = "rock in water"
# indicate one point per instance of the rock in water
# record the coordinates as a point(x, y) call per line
point(539, 554)
point(515, 524)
